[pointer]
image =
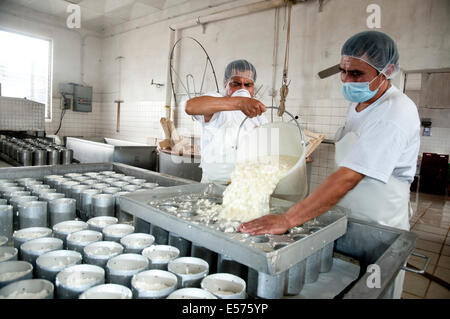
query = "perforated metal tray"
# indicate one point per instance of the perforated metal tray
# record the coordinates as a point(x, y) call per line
point(270, 254)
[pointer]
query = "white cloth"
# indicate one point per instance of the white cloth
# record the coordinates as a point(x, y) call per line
point(218, 141)
point(390, 138)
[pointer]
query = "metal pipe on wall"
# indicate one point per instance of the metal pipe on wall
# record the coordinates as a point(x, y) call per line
point(238, 11)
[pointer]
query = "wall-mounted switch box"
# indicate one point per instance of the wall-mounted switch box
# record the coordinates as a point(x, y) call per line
point(76, 96)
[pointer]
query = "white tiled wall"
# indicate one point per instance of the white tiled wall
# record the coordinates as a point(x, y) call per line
point(75, 123)
point(438, 142)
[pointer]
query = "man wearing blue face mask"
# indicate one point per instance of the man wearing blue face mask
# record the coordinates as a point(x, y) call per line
point(376, 150)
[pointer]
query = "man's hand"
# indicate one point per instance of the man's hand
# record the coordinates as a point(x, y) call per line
point(268, 224)
point(251, 107)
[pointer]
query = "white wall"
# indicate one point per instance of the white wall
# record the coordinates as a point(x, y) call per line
point(420, 28)
point(66, 63)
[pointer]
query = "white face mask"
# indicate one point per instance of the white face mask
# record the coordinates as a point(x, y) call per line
point(241, 93)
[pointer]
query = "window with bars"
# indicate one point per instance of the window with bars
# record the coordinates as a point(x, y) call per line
point(25, 68)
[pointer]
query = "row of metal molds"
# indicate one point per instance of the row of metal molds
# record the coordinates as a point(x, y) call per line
point(33, 152)
point(273, 266)
point(46, 264)
point(65, 240)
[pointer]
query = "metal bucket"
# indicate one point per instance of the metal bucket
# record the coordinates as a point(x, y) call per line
point(138, 181)
point(135, 243)
point(190, 271)
point(39, 157)
point(98, 223)
point(53, 157)
point(8, 196)
point(49, 179)
point(63, 229)
point(26, 234)
point(66, 156)
point(161, 235)
point(191, 293)
point(6, 221)
point(153, 284)
point(48, 265)
point(225, 286)
point(28, 289)
point(111, 190)
point(8, 253)
point(40, 193)
point(66, 188)
point(120, 184)
point(32, 214)
point(11, 271)
point(103, 205)
point(86, 203)
point(58, 184)
point(131, 188)
point(208, 255)
point(35, 189)
point(72, 281)
point(26, 157)
point(80, 239)
point(117, 231)
point(120, 269)
point(62, 209)
point(127, 178)
point(183, 245)
point(100, 186)
point(100, 252)
point(32, 249)
point(160, 255)
point(107, 291)
point(49, 196)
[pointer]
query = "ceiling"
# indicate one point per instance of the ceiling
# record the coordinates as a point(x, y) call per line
point(98, 15)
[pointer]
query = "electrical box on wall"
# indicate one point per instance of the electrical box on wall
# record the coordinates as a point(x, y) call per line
point(76, 96)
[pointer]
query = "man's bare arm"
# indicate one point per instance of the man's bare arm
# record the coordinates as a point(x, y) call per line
point(324, 197)
point(208, 105)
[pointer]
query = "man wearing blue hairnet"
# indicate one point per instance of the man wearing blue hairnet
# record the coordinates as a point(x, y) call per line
point(376, 150)
point(221, 116)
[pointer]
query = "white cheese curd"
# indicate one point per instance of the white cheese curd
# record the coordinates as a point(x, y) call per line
point(27, 295)
point(12, 275)
point(75, 279)
point(145, 285)
point(252, 183)
point(5, 256)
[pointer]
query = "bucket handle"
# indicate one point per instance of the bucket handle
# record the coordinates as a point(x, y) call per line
point(302, 134)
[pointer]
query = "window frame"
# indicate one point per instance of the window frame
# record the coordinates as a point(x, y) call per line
point(48, 107)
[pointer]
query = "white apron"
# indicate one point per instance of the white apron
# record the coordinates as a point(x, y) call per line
point(219, 156)
point(374, 201)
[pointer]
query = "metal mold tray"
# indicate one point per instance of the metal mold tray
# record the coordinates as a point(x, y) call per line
point(271, 254)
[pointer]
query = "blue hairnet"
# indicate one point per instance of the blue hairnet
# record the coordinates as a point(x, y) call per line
point(376, 49)
point(239, 68)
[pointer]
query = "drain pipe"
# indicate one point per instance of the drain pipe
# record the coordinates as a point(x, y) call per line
point(238, 11)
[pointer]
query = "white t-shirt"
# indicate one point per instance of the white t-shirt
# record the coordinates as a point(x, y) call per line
point(389, 138)
point(234, 118)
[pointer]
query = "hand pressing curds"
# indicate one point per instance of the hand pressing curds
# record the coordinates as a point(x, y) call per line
point(268, 224)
